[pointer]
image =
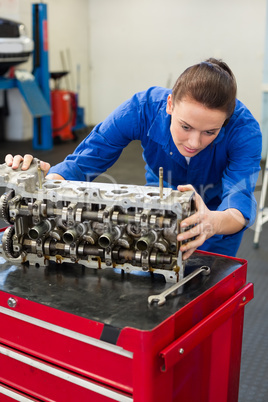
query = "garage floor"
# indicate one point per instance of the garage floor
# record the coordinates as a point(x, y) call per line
point(129, 169)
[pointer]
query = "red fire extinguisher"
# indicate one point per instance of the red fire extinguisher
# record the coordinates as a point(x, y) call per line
point(61, 106)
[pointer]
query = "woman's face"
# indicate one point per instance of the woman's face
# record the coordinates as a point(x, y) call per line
point(193, 126)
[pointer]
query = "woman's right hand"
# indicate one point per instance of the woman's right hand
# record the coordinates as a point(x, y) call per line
point(15, 161)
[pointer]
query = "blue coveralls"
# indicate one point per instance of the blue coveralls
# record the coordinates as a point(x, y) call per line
point(224, 173)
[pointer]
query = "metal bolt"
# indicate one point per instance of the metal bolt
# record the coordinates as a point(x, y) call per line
point(12, 302)
point(244, 299)
point(181, 351)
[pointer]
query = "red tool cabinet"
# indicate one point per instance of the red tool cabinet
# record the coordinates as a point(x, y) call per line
point(70, 334)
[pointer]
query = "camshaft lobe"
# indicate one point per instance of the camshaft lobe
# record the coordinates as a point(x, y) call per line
point(99, 216)
point(83, 250)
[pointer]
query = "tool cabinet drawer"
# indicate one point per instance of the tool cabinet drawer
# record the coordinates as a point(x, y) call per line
point(72, 350)
point(9, 395)
point(50, 383)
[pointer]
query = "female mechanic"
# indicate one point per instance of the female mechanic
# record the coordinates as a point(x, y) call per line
point(201, 135)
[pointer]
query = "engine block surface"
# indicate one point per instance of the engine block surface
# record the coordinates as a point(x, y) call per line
point(98, 225)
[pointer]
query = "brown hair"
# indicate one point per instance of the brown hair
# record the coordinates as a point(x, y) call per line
point(210, 83)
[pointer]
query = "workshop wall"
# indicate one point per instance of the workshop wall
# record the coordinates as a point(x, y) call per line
point(137, 43)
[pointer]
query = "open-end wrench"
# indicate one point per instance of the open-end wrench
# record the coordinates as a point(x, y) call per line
point(161, 298)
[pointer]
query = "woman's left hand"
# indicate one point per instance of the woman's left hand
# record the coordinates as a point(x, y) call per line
point(204, 224)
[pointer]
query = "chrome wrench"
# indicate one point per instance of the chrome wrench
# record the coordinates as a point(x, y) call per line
point(161, 298)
